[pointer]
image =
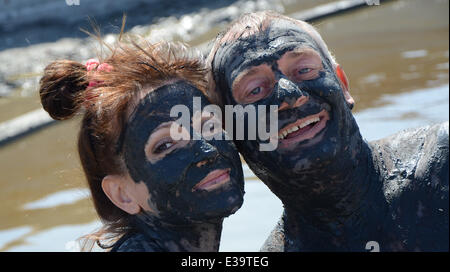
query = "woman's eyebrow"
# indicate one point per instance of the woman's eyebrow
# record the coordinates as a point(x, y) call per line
point(162, 125)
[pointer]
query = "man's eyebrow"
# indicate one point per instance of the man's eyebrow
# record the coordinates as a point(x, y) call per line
point(248, 72)
point(299, 51)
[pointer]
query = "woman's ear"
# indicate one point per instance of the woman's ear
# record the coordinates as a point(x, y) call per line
point(119, 190)
point(345, 86)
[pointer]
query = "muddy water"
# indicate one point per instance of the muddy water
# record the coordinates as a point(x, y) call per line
point(396, 57)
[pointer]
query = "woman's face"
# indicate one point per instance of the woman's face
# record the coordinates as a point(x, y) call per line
point(188, 180)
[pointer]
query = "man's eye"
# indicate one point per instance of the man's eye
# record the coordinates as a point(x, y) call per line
point(304, 71)
point(256, 91)
point(163, 147)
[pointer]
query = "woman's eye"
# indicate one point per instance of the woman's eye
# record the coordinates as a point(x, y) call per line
point(163, 147)
point(304, 71)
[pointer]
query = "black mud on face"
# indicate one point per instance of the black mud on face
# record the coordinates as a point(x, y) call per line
point(324, 92)
point(170, 179)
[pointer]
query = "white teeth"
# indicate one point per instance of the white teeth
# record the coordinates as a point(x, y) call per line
point(309, 121)
point(284, 133)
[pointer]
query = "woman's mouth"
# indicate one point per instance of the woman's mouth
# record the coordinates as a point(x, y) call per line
point(213, 180)
point(303, 129)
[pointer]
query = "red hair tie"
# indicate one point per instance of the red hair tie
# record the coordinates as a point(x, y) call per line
point(94, 65)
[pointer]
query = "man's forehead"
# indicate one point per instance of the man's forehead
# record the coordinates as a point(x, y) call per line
point(279, 25)
point(265, 46)
point(270, 53)
point(275, 34)
point(270, 44)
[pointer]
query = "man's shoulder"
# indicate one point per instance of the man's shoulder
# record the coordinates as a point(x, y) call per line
point(416, 135)
point(415, 159)
point(416, 145)
point(276, 239)
point(414, 167)
point(435, 156)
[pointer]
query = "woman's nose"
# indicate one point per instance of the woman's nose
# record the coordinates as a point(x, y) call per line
point(204, 152)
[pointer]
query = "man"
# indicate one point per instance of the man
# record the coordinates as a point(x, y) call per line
point(340, 192)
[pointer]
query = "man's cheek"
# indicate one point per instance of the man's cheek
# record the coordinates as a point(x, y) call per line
point(325, 87)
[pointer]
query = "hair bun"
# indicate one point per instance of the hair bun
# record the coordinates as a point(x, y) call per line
point(61, 86)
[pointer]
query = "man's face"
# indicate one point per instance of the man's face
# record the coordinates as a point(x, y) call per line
point(188, 180)
point(284, 66)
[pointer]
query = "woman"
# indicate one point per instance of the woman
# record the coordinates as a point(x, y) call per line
point(151, 191)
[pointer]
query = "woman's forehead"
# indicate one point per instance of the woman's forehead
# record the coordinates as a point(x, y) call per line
point(155, 108)
point(161, 102)
point(165, 96)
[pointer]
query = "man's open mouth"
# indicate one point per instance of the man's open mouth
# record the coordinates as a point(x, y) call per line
point(303, 129)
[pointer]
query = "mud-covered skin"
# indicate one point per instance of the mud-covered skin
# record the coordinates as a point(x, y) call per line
point(412, 172)
point(151, 234)
point(336, 187)
point(136, 242)
point(323, 92)
point(182, 219)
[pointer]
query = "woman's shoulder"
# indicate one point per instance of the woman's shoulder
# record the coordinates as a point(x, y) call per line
point(135, 242)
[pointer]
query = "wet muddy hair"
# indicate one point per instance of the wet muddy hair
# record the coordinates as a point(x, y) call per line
point(105, 108)
point(250, 24)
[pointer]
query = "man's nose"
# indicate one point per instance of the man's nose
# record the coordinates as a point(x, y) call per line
point(288, 94)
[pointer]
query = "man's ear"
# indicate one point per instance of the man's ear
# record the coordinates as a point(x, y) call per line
point(118, 189)
point(345, 86)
